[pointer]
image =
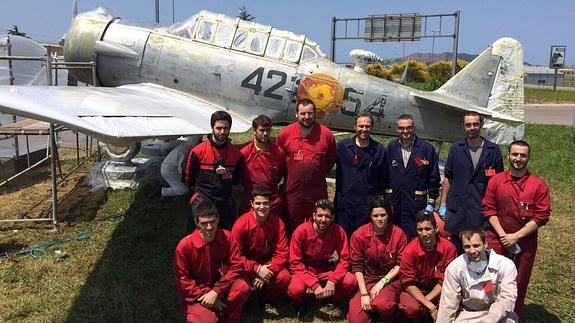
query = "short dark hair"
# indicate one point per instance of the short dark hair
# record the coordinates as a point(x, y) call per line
point(379, 201)
point(303, 103)
point(325, 204)
point(261, 191)
point(473, 114)
point(261, 121)
point(423, 215)
point(468, 232)
point(203, 207)
point(363, 115)
point(406, 116)
point(220, 116)
point(521, 143)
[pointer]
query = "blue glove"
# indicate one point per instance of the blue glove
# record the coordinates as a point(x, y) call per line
point(429, 208)
point(442, 210)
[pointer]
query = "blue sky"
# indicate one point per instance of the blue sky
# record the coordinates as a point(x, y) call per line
point(536, 24)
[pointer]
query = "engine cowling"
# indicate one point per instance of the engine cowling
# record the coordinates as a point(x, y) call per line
point(86, 29)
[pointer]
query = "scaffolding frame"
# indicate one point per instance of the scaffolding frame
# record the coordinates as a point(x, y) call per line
point(53, 64)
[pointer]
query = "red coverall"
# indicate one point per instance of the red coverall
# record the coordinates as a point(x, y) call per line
point(262, 168)
point(308, 161)
point(315, 259)
point(374, 256)
point(199, 173)
point(424, 269)
point(200, 267)
point(502, 199)
point(262, 244)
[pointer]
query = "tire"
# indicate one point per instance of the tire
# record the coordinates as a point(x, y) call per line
point(121, 153)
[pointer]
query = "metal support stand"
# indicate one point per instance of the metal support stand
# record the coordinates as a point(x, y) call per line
point(53, 175)
point(51, 66)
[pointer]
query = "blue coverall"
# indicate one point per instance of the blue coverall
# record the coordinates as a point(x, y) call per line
point(356, 181)
point(468, 185)
point(409, 188)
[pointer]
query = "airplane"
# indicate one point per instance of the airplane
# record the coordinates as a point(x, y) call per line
point(165, 82)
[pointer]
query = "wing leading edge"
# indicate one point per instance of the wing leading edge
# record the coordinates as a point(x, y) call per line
point(127, 113)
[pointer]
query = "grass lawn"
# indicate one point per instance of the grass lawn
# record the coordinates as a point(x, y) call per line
point(534, 95)
point(123, 272)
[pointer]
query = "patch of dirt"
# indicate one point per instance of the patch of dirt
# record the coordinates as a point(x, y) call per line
point(29, 196)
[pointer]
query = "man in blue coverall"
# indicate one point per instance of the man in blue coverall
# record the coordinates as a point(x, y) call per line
point(359, 173)
point(413, 175)
point(471, 163)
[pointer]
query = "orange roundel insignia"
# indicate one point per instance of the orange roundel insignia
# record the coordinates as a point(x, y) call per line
point(324, 91)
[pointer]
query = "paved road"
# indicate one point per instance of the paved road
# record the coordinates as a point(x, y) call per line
point(561, 114)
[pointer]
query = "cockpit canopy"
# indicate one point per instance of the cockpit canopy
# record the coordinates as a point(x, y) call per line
point(246, 36)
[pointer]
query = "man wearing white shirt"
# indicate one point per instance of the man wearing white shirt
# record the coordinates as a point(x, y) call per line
point(479, 285)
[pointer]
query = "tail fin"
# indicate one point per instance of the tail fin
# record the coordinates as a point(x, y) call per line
point(494, 80)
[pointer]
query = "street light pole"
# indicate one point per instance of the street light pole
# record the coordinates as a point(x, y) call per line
point(433, 43)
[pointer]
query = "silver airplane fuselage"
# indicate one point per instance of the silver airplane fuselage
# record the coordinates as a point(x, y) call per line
point(210, 62)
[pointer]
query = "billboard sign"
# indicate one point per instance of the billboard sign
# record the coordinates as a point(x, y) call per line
point(557, 57)
point(398, 27)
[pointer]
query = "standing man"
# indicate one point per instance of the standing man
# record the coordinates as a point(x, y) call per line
point(207, 270)
point(319, 259)
point(212, 167)
point(516, 204)
point(413, 175)
point(310, 152)
point(479, 286)
point(262, 240)
point(263, 165)
point(470, 164)
point(422, 267)
point(359, 174)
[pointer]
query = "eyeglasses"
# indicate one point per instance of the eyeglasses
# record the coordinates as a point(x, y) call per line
point(405, 128)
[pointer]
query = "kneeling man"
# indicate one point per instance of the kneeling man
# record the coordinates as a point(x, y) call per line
point(319, 259)
point(262, 240)
point(208, 268)
point(421, 268)
point(479, 286)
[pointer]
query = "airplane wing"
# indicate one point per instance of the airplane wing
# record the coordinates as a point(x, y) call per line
point(463, 106)
point(123, 114)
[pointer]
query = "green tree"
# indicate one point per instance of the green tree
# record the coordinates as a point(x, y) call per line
point(245, 15)
point(15, 31)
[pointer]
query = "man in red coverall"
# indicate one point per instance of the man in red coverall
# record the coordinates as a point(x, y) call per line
point(422, 268)
point(262, 240)
point(212, 167)
point(264, 165)
point(310, 152)
point(319, 259)
point(207, 270)
point(516, 204)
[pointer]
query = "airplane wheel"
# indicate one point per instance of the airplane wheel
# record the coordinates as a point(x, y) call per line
point(121, 153)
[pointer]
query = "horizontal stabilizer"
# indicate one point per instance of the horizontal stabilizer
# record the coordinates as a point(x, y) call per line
point(463, 106)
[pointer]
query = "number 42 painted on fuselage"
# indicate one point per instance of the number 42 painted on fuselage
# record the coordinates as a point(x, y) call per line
point(258, 75)
point(254, 82)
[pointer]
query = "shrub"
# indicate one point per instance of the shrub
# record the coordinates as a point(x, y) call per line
point(378, 70)
point(416, 71)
